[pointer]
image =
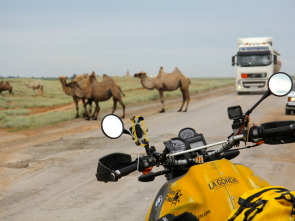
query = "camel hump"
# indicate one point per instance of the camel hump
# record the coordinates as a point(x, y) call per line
point(93, 75)
point(177, 71)
point(161, 70)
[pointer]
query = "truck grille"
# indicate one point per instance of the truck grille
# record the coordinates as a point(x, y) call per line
point(259, 84)
point(257, 75)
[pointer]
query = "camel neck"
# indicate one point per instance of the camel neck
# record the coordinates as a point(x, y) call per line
point(146, 83)
point(66, 89)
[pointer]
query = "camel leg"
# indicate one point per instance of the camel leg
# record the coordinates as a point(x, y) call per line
point(123, 107)
point(97, 108)
point(85, 109)
point(115, 105)
point(161, 93)
point(183, 100)
point(187, 100)
point(77, 106)
point(89, 102)
point(85, 114)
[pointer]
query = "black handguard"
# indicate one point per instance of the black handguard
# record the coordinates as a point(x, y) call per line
point(145, 162)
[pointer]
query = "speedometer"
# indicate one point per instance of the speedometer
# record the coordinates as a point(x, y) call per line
point(177, 145)
point(187, 133)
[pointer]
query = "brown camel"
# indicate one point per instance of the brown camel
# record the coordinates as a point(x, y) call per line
point(90, 88)
point(5, 86)
point(36, 85)
point(70, 92)
point(167, 82)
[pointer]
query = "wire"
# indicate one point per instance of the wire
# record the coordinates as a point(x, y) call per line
point(138, 190)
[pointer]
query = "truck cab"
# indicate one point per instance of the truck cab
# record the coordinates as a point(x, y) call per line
point(256, 61)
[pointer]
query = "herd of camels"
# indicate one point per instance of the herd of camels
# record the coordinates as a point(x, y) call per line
point(5, 86)
point(88, 89)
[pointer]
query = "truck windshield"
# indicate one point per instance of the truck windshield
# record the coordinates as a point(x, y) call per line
point(253, 60)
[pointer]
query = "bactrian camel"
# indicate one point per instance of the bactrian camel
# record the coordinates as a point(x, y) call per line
point(167, 82)
point(5, 86)
point(68, 91)
point(36, 85)
point(90, 88)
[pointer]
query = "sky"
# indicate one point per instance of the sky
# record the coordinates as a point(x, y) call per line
point(50, 38)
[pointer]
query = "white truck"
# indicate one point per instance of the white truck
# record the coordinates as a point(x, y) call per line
point(256, 61)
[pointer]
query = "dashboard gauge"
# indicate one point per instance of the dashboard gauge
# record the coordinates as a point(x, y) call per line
point(187, 133)
point(177, 145)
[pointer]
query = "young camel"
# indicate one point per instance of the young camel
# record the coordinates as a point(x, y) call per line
point(5, 86)
point(70, 92)
point(167, 82)
point(36, 85)
point(90, 88)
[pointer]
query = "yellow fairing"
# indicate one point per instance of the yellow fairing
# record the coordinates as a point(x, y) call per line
point(210, 191)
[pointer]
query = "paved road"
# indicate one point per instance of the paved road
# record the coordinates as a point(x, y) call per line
point(61, 184)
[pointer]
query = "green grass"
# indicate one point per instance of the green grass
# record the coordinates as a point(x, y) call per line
point(17, 111)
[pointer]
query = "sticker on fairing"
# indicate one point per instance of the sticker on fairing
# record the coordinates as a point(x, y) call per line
point(173, 196)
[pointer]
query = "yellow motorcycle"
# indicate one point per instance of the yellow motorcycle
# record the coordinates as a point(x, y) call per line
point(202, 184)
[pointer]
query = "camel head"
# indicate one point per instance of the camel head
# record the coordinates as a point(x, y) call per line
point(63, 79)
point(140, 75)
point(72, 84)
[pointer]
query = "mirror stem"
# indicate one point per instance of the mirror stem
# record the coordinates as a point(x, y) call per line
point(126, 131)
point(266, 94)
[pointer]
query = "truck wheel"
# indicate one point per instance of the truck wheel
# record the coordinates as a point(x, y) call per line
point(288, 112)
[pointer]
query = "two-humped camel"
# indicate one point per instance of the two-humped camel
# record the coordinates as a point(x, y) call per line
point(5, 86)
point(167, 82)
point(90, 88)
point(68, 91)
point(36, 85)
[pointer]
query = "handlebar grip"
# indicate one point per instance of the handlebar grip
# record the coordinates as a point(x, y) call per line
point(261, 132)
point(272, 133)
point(279, 131)
point(117, 174)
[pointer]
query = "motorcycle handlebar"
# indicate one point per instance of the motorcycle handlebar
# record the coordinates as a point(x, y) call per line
point(263, 133)
point(117, 174)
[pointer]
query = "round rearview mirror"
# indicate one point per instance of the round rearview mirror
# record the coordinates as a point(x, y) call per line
point(280, 84)
point(112, 126)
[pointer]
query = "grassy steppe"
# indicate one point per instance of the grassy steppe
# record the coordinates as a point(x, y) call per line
point(24, 109)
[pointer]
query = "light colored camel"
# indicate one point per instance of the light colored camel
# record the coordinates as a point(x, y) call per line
point(5, 86)
point(90, 88)
point(70, 92)
point(36, 85)
point(167, 82)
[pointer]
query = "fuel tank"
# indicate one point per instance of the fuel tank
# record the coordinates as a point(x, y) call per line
point(210, 191)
